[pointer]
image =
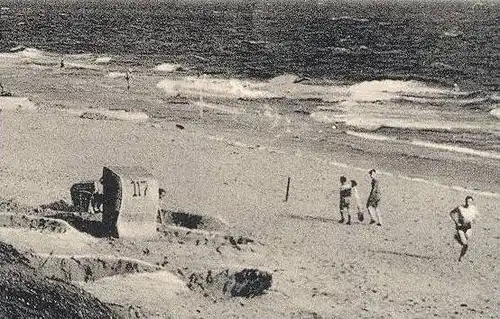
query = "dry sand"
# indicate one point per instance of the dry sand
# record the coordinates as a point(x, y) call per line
point(235, 167)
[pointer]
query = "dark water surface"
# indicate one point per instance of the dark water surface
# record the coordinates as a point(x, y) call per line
point(438, 42)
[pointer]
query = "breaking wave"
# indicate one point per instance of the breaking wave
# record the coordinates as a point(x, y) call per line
point(289, 86)
point(168, 67)
point(206, 86)
point(384, 90)
point(41, 58)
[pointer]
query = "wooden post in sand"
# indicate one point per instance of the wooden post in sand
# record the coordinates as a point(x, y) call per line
point(287, 189)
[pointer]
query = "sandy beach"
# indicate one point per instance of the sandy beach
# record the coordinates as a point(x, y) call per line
point(232, 162)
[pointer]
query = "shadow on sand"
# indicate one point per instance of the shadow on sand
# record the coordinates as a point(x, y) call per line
point(312, 218)
point(93, 227)
point(90, 223)
point(402, 254)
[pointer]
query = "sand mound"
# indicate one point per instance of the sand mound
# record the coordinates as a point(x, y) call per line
point(60, 205)
point(159, 290)
point(9, 103)
point(29, 295)
point(42, 224)
point(230, 283)
point(121, 115)
point(86, 223)
point(88, 268)
point(183, 227)
point(193, 221)
point(197, 237)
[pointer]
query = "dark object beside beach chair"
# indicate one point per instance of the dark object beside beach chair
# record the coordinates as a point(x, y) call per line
point(85, 196)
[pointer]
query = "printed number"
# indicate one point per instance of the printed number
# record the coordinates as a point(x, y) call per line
point(140, 188)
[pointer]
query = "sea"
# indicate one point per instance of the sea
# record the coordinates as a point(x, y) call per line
point(423, 72)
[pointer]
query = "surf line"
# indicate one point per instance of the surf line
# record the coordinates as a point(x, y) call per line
point(446, 147)
point(458, 149)
point(360, 169)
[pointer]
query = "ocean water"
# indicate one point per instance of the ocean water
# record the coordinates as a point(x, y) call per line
point(442, 42)
point(408, 69)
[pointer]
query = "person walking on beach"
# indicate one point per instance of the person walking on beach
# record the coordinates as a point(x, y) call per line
point(162, 193)
point(357, 201)
point(374, 199)
point(463, 216)
point(345, 200)
point(127, 78)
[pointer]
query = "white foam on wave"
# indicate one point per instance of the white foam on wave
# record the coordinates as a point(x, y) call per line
point(452, 33)
point(384, 90)
point(115, 75)
point(17, 48)
point(103, 60)
point(284, 86)
point(168, 67)
point(496, 112)
point(293, 87)
point(212, 87)
point(43, 59)
point(32, 53)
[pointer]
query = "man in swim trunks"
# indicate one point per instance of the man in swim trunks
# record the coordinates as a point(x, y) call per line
point(463, 216)
point(345, 200)
point(374, 199)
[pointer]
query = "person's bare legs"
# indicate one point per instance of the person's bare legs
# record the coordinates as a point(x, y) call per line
point(361, 216)
point(377, 214)
point(374, 215)
point(348, 216)
point(370, 212)
point(464, 241)
point(345, 212)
